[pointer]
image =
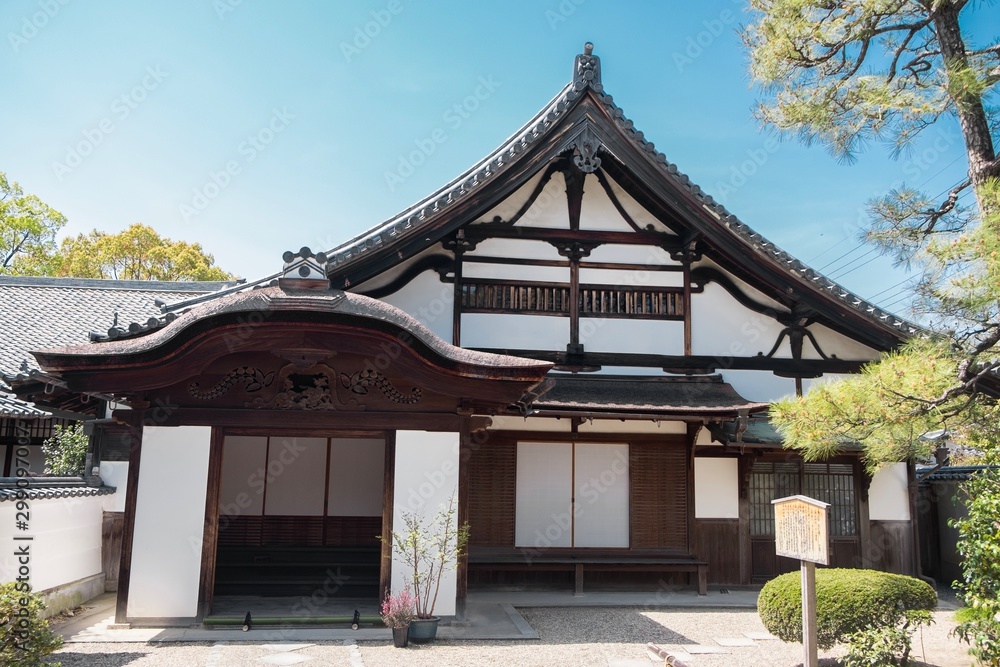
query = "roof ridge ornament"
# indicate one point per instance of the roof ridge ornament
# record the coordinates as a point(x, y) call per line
point(304, 270)
point(587, 143)
point(587, 70)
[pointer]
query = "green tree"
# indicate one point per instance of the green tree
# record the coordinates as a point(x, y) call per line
point(28, 229)
point(66, 451)
point(137, 253)
point(845, 73)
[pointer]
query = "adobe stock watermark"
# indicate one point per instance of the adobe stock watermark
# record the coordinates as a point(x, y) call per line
point(562, 12)
point(453, 117)
point(121, 108)
point(248, 150)
point(223, 7)
point(741, 173)
point(32, 24)
point(370, 30)
point(696, 44)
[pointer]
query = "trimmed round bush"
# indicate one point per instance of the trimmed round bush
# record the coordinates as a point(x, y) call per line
point(25, 637)
point(847, 601)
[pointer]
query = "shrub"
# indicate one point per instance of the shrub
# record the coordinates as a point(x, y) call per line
point(889, 645)
point(66, 451)
point(847, 601)
point(25, 637)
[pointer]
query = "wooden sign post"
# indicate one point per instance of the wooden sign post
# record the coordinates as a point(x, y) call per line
point(800, 531)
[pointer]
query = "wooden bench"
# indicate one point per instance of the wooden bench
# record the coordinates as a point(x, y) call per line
point(579, 563)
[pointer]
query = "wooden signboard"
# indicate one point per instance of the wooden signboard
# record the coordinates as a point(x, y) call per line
point(800, 529)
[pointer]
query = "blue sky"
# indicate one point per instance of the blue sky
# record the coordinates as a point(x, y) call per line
point(256, 127)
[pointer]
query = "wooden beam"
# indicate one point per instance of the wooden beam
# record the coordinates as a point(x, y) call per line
point(481, 232)
point(388, 493)
point(319, 419)
point(209, 545)
point(134, 418)
point(464, 453)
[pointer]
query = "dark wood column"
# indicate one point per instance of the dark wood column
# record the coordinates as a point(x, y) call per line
point(209, 545)
point(385, 569)
point(464, 452)
point(134, 419)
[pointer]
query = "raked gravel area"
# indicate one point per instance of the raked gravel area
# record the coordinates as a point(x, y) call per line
point(578, 637)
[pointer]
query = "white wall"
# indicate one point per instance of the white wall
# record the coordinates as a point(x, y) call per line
point(426, 477)
point(527, 332)
point(716, 488)
point(169, 522)
point(722, 326)
point(429, 300)
point(888, 499)
point(66, 544)
point(548, 210)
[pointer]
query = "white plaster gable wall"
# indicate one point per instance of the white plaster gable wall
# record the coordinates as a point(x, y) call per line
point(758, 386)
point(65, 545)
point(622, 253)
point(600, 334)
point(834, 343)
point(426, 477)
point(524, 248)
point(598, 212)
point(722, 326)
point(548, 210)
point(169, 522)
point(888, 498)
point(636, 211)
point(527, 332)
point(716, 488)
point(428, 300)
point(394, 271)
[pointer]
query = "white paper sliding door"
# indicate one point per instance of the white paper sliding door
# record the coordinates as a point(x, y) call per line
point(601, 496)
point(571, 495)
point(542, 516)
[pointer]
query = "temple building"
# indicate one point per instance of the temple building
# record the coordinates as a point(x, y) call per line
point(571, 338)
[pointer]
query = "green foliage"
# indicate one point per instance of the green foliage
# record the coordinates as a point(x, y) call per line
point(847, 601)
point(137, 253)
point(979, 545)
point(66, 451)
point(426, 548)
point(25, 637)
point(28, 229)
point(887, 645)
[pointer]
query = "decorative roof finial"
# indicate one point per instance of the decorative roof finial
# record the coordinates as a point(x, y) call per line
point(587, 70)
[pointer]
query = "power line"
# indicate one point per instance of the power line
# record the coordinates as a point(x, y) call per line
point(849, 252)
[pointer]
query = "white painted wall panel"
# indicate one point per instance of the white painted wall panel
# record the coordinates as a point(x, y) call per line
point(632, 278)
point(632, 254)
point(169, 522)
point(65, 545)
point(716, 488)
point(832, 343)
point(601, 493)
point(548, 210)
point(547, 274)
point(721, 326)
point(598, 212)
point(888, 499)
point(296, 476)
point(426, 477)
point(244, 464)
point(632, 336)
point(522, 248)
point(428, 300)
point(544, 492)
point(526, 332)
point(760, 386)
point(357, 477)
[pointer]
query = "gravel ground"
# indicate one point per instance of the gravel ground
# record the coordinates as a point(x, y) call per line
point(604, 637)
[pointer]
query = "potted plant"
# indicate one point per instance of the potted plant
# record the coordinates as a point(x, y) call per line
point(426, 548)
point(397, 612)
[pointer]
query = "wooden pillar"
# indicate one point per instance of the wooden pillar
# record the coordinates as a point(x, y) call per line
point(745, 471)
point(209, 545)
point(385, 569)
point(464, 452)
point(134, 418)
point(687, 305)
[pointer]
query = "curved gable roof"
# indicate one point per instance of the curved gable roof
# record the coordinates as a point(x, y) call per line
point(579, 112)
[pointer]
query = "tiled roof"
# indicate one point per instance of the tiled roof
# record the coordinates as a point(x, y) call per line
point(952, 473)
point(41, 488)
point(647, 396)
point(11, 406)
point(413, 221)
point(38, 313)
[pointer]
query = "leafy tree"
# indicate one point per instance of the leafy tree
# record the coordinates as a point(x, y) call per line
point(28, 228)
point(844, 73)
point(137, 253)
point(66, 451)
